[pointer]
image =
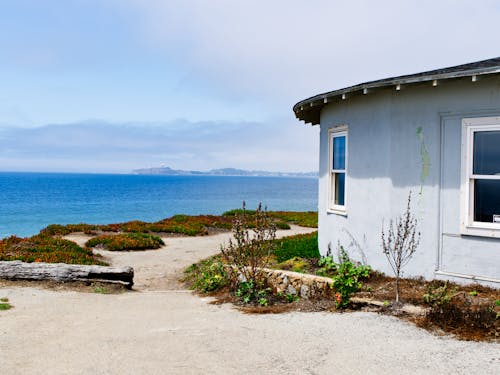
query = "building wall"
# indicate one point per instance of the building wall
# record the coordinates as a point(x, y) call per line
point(392, 136)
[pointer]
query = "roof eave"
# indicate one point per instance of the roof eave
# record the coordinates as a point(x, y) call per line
point(309, 110)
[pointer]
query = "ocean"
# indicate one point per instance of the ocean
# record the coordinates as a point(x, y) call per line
point(31, 201)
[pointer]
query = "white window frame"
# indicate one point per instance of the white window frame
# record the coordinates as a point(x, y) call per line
point(334, 132)
point(468, 225)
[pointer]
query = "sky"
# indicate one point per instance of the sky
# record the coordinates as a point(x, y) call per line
point(113, 85)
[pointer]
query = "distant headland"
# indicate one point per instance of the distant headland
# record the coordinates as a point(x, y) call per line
point(167, 171)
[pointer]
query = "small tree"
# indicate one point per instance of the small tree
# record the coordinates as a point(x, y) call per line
point(401, 242)
point(252, 246)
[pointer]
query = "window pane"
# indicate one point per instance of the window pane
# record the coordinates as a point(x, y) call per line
point(486, 200)
point(487, 152)
point(339, 188)
point(339, 152)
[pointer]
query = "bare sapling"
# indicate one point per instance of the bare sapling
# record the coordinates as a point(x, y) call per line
point(401, 242)
point(252, 246)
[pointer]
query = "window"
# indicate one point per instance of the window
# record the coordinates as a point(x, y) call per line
point(337, 168)
point(481, 176)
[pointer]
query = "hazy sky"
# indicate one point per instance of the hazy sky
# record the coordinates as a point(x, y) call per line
point(112, 85)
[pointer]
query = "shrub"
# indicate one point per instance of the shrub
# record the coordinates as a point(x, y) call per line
point(300, 245)
point(126, 241)
point(250, 250)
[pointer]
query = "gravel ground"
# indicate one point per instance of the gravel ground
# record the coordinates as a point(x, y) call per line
point(162, 329)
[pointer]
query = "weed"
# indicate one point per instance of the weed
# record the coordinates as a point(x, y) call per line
point(473, 293)
point(438, 295)
point(247, 291)
point(290, 298)
point(4, 304)
point(101, 290)
point(328, 266)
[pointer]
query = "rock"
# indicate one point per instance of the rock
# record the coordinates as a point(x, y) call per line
point(291, 290)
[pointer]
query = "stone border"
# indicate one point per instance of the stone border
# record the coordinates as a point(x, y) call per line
point(304, 285)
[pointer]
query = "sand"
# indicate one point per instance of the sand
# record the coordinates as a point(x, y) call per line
point(160, 328)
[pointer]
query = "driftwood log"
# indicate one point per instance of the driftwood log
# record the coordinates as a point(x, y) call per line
point(17, 270)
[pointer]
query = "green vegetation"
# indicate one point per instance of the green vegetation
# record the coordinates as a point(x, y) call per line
point(186, 224)
point(4, 304)
point(248, 292)
point(250, 252)
point(48, 246)
point(42, 248)
point(126, 241)
point(295, 264)
point(327, 266)
point(101, 290)
point(347, 281)
point(207, 275)
point(305, 219)
point(180, 224)
point(300, 245)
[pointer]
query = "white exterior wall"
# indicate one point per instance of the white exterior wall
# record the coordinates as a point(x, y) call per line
point(385, 163)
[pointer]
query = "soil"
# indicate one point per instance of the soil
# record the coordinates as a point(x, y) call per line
point(471, 313)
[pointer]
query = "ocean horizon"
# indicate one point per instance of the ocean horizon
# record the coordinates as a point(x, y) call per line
point(29, 201)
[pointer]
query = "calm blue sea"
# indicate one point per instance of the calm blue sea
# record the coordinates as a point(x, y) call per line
point(31, 201)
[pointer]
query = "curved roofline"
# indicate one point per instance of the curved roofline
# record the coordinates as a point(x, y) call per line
point(309, 110)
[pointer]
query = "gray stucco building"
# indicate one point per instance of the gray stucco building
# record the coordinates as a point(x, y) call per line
point(436, 134)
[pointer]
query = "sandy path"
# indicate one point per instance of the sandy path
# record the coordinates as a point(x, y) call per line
point(163, 330)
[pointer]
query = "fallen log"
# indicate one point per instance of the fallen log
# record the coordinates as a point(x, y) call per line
point(17, 270)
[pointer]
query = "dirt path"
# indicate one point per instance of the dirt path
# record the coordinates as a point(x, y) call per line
point(162, 329)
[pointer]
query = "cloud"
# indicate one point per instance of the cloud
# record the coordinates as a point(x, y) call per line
point(288, 50)
point(111, 147)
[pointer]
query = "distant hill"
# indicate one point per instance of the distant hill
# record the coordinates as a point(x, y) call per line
point(167, 171)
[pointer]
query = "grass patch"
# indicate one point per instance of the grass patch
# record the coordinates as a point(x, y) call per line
point(307, 219)
point(47, 249)
point(300, 245)
point(126, 241)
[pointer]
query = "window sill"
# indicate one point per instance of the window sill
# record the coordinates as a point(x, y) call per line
point(336, 212)
point(481, 230)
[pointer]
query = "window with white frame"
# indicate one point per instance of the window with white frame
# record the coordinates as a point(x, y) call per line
point(481, 176)
point(337, 168)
